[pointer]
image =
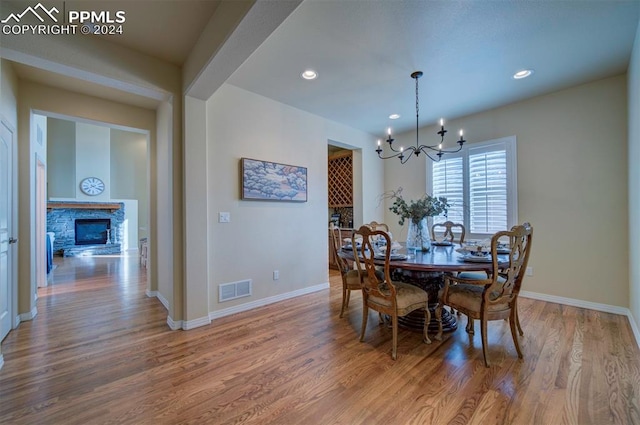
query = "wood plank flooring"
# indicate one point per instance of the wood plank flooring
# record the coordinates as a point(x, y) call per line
point(100, 352)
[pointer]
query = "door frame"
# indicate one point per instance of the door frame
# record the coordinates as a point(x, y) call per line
point(13, 227)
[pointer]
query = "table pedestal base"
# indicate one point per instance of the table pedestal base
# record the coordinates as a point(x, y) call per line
point(431, 282)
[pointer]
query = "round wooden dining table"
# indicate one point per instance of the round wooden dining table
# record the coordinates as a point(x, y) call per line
point(426, 270)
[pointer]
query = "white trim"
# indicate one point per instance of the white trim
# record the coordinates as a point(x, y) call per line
point(606, 308)
point(1, 361)
point(30, 315)
point(196, 323)
point(634, 327)
point(17, 321)
point(158, 295)
point(174, 325)
point(266, 301)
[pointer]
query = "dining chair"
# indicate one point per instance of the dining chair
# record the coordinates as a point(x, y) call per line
point(381, 294)
point(351, 280)
point(492, 297)
point(374, 225)
point(448, 233)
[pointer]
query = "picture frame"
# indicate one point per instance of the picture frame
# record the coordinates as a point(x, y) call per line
point(272, 181)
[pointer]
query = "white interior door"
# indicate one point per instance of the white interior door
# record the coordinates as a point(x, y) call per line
point(6, 238)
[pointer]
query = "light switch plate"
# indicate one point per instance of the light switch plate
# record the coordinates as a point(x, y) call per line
point(224, 217)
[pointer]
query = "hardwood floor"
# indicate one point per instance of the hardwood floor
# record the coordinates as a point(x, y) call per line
point(100, 352)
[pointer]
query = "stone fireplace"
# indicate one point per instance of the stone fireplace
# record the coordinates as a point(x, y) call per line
point(86, 228)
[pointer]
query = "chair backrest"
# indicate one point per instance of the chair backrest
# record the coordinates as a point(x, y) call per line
point(374, 225)
point(374, 283)
point(448, 231)
point(507, 276)
point(336, 238)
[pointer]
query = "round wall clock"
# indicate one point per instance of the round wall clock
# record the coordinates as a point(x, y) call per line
point(92, 186)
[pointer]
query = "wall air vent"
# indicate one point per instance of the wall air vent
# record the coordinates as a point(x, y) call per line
point(233, 290)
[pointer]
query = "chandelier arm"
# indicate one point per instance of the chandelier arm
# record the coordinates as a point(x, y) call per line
point(393, 149)
point(432, 158)
point(390, 156)
point(435, 148)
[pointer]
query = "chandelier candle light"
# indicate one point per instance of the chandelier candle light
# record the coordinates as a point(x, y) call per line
point(434, 152)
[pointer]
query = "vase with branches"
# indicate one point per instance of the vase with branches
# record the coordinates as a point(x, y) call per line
point(417, 212)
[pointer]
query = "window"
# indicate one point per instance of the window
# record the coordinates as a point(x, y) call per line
point(479, 183)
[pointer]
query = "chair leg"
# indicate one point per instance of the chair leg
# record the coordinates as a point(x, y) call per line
point(394, 348)
point(425, 329)
point(515, 309)
point(483, 332)
point(469, 327)
point(365, 315)
point(513, 321)
point(345, 299)
point(438, 313)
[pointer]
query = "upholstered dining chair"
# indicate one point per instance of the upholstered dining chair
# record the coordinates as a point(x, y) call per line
point(493, 297)
point(449, 230)
point(351, 279)
point(381, 294)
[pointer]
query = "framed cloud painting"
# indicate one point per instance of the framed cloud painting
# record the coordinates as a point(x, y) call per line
point(271, 181)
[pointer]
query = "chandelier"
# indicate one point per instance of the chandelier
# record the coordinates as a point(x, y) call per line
point(434, 152)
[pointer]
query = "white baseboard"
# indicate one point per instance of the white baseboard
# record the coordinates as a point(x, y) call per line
point(634, 327)
point(158, 295)
point(174, 325)
point(28, 316)
point(196, 323)
point(266, 301)
point(606, 308)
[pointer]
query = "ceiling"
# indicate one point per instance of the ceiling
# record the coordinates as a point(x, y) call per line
point(365, 50)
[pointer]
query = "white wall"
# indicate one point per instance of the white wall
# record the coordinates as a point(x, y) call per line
point(634, 183)
point(572, 186)
point(267, 236)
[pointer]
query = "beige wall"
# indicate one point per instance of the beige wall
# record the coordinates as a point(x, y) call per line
point(43, 98)
point(61, 158)
point(572, 186)
point(129, 173)
point(9, 93)
point(267, 236)
point(634, 183)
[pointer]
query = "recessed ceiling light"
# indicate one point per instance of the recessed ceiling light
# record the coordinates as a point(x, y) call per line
point(524, 73)
point(394, 116)
point(309, 74)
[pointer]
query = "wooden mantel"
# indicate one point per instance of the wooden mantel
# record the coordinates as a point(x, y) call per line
point(113, 206)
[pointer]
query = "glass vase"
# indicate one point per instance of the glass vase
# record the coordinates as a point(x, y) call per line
point(418, 237)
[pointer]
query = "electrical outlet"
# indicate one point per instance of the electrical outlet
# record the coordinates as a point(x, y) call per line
point(224, 217)
point(529, 271)
point(276, 274)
